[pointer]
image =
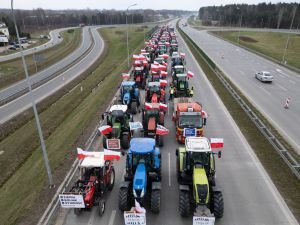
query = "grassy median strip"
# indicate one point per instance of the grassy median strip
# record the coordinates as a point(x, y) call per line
point(285, 181)
point(12, 71)
point(64, 122)
point(271, 44)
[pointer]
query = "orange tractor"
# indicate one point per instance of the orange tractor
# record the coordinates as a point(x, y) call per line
point(189, 118)
point(155, 93)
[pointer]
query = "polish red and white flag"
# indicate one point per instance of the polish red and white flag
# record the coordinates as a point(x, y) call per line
point(106, 129)
point(165, 56)
point(167, 44)
point(204, 114)
point(165, 64)
point(162, 68)
point(145, 63)
point(111, 155)
point(216, 143)
point(161, 130)
point(135, 57)
point(81, 154)
point(164, 73)
point(155, 63)
point(163, 83)
point(125, 76)
point(154, 68)
point(182, 55)
point(163, 106)
point(148, 106)
point(190, 74)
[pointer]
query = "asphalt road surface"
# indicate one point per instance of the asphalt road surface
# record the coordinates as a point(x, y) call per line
point(54, 40)
point(22, 103)
point(250, 198)
point(240, 66)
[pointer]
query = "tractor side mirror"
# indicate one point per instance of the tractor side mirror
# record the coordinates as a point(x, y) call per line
point(176, 151)
point(219, 154)
point(204, 121)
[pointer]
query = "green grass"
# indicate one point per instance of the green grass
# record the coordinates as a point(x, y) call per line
point(12, 71)
point(285, 181)
point(270, 44)
point(63, 123)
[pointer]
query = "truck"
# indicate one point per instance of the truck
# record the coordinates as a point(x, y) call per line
point(189, 118)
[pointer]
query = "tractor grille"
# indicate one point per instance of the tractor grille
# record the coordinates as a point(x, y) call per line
point(138, 192)
point(202, 190)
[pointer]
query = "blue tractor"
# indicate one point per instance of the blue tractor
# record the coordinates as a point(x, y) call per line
point(142, 180)
point(130, 96)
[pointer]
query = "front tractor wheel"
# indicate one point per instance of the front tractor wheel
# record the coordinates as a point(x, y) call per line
point(184, 203)
point(218, 205)
point(101, 206)
point(155, 201)
point(111, 179)
point(124, 199)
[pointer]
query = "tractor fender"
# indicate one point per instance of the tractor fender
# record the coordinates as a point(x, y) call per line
point(216, 189)
point(184, 188)
point(156, 185)
point(125, 184)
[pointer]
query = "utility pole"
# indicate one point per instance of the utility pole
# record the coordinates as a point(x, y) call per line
point(127, 34)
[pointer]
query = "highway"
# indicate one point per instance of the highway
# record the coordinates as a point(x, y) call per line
point(240, 65)
point(22, 103)
point(250, 197)
point(54, 40)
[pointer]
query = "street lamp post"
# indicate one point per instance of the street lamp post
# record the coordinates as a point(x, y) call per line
point(241, 18)
point(33, 104)
point(127, 34)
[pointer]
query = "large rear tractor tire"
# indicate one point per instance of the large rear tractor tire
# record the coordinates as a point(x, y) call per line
point(160, 141)
point(133, 107)
point(101, 207)
point(218, 205)
point(124, 199)
point(155, 201)
point(184, 203)
point(125, 141)
point(111, 179)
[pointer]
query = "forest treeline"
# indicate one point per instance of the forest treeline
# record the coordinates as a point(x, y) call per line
point(263, 15)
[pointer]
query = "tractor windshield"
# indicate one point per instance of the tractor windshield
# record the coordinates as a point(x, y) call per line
point(189, 121)
point(179, 70)
point(154, 88)
point(142, 158)
point(199, 158)
point(127, 88)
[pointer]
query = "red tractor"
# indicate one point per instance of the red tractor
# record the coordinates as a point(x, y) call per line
point(139, 77)
point(155, 93)
point(152, 116)
point(97, 176)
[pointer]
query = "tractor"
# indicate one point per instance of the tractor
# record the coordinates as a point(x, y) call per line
point(130, 95)
point(177, 60)
point(198, 193)
point(181, 85)
point(151, 117)
point(162, 49)
point(139, 77)
point(154, 77)
point(97, 176)
point(142, 180)
point(118, 119)
point(179, 69)
point(155, 93)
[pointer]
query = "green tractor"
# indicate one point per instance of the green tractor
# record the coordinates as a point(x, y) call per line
point(181, 85)
point(116, 134)
point(198, 193)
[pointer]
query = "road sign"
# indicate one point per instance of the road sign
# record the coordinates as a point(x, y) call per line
point(203, 220)
point(189, 132)
point(113, 144)
point(71, 201)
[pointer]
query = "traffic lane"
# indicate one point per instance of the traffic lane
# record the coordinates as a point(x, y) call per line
point(52, 69)
point(249, 195)
point(22, 103)
point(285, 124)
point(54, 41)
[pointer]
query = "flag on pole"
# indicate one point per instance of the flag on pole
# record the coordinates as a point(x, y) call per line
point(165, 56)
point(138, 207)
point(216, 142)
point(164, 73)
point(81, 154)
point(106, 129)
point(161, 130)
point(163, 106)
point(204, 114)
point(111, 155)
point(163, 83)
point(190, 74)
point(125, 76)
point(154, 68)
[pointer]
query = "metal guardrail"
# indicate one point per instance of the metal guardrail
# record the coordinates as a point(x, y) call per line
point(291, 162)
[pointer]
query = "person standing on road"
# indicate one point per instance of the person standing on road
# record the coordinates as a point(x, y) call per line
point(171, 93)
point(287, 102)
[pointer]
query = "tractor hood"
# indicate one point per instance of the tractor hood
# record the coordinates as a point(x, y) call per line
point(126, 98)
point(201, 187)
point(140, 181)
point(116, 130)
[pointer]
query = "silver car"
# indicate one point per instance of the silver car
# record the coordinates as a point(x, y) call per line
point(264, 76)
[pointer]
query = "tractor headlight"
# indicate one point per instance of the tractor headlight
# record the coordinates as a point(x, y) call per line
point(142, 193)
point(134, 193)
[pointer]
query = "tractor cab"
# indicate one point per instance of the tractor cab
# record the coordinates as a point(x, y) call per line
point(118, 119)
point(155, 77)
point(154, 93)
point(162, 49)
point(173, 48)
point(139, 76)
point(160, 60)
point(179, 69)
point(151, 117)
point(177, 60)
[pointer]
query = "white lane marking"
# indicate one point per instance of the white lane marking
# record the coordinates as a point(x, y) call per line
point(169, 169)
point(242, 72)
point(280, 71)
point(292, 82)
point(112, 217)
point(91, 220)
point(265, 90)
point(1, 152)
point(281, 87)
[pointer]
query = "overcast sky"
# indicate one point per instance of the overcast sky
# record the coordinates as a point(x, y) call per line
point(123, 4)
